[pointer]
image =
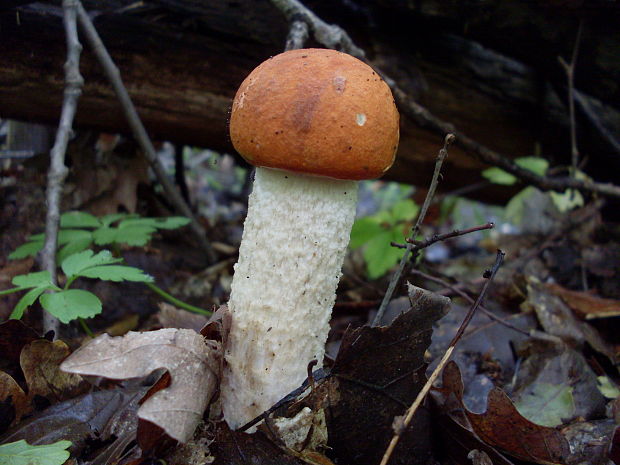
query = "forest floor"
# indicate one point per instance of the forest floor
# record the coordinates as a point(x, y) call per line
point(533, 378)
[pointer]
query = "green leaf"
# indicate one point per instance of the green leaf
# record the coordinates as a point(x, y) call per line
point(363, 230)
point(117, 273)
point(136, 235)
point(29, 249)
point(515, 207)
point(568, 200)
point(75, 264)
point(607, 387)
point(36, 279)
point(107, 220)
point(73, 247)
point(405, 210)
point(536, 165)
point(26, 301)
point(105, 235)
point(71, 304)
point(380, 256)
point(547, 404)
point(70, 235)
point(78, 219)
point(172, 222)
point(499, 176)
point(22, 453)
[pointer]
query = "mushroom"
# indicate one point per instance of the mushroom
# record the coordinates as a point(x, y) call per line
point(313, 122)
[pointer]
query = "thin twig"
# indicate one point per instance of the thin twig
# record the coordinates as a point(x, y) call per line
point(443, 153)
point(58, 171)
point(465, 296)
point(139, 132)
point(419, 245)
point(333, 36)
point(569, 68)
point(330, 35)
point(426, 119)
point(422, 394)
point(297, 35)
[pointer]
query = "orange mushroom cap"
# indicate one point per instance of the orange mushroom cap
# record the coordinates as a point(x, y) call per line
point(316, 111)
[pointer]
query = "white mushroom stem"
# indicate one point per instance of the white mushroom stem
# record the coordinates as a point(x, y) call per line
point(290, 261)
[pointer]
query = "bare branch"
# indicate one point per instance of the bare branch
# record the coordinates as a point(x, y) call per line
point(58, 171)
point(569, 69)
point(426, 119)
point(465, 296)
point(443, 153)
point(330, 35)
point(139, 132)
point(297, 35)
point(419, 245)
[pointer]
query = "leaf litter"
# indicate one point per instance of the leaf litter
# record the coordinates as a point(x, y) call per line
point(192, 364)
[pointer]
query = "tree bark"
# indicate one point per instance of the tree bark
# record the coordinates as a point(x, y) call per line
point(490, 69)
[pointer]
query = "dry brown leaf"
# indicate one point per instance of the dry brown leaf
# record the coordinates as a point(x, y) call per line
point(503, 427)
point(40, 362)
point(170, 316)
point(192, 362)
point(10, 388)
point(586, 305)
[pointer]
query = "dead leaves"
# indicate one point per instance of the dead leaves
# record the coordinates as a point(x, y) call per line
point(377, 374)
point(193, 366)
point(34, 361)
point(586, 305)
point(503, 427)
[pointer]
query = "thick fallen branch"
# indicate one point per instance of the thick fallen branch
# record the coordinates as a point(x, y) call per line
point(333, 36)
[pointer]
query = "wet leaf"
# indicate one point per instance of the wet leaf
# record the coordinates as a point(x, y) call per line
point(193, 367)
point(10, 390)
point(502, 426)
point(101, 413)
point(235, 448)
point(376, 375)
point(557, 319)
point(555, 366)
point(22, 453)
point(547, 404)
point(40, 361)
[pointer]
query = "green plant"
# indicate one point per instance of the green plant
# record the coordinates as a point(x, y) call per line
point(514, 212)
point(78, 232)
point(69, 304)
point(376, 232)
point(22, 453)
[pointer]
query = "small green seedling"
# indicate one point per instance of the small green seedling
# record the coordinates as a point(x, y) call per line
point(22, 453)
point(79, 231)
point(377, 231)
point(69, 304)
